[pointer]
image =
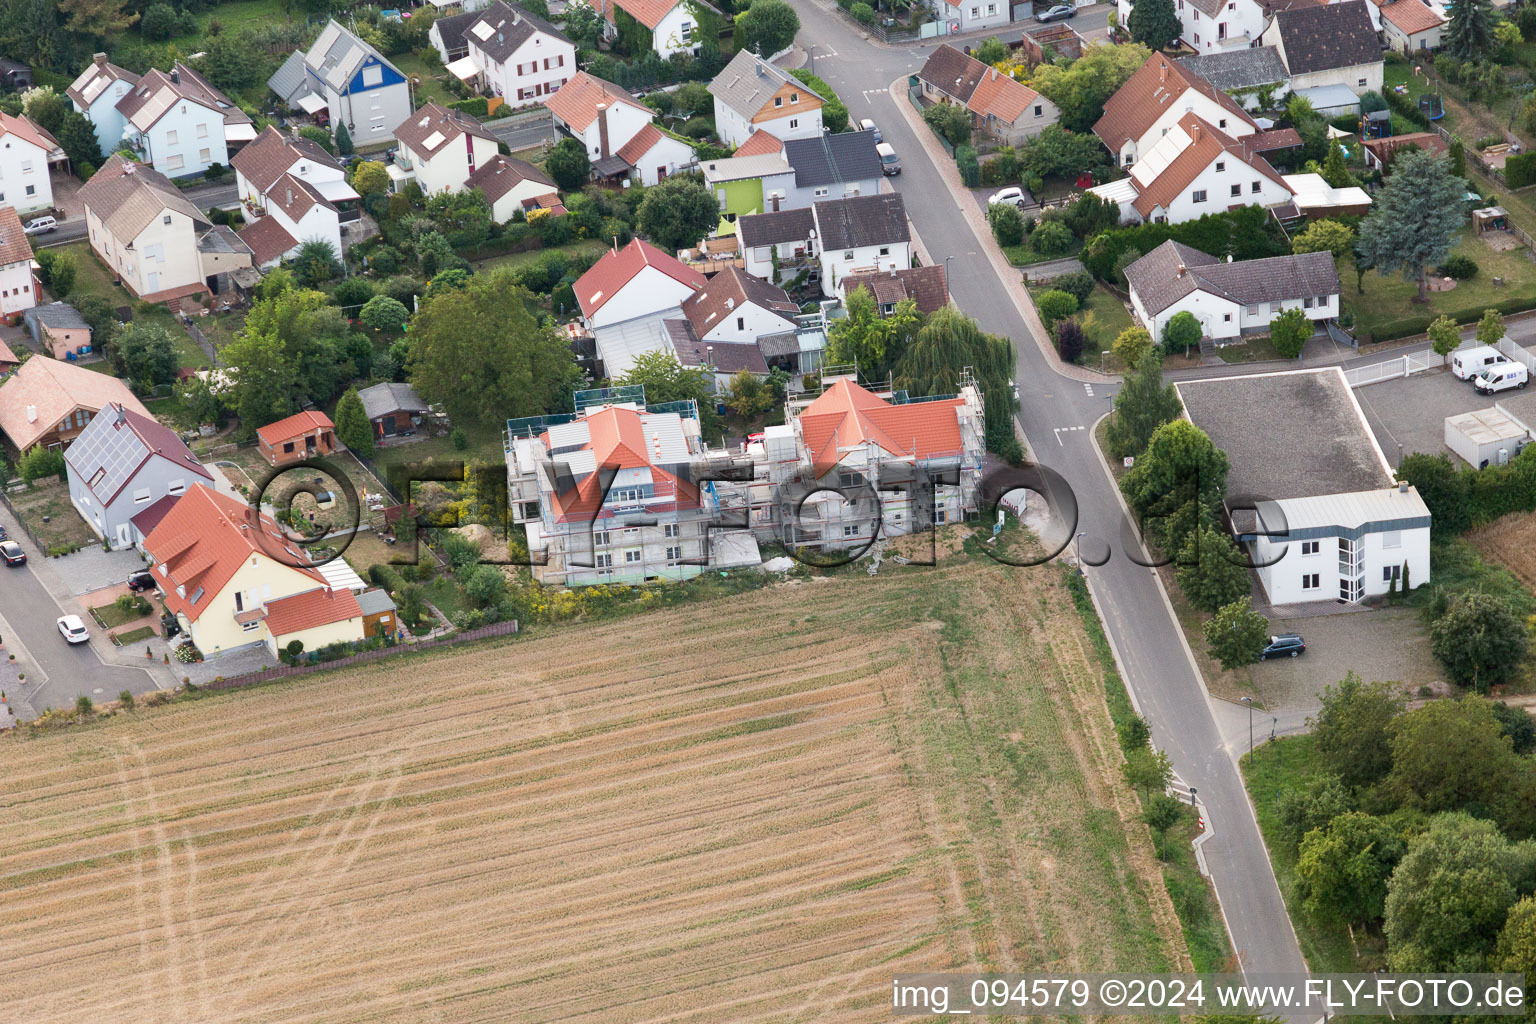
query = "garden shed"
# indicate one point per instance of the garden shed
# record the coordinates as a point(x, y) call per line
point(1484, 437)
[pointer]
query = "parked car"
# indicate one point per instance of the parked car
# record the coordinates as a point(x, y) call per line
point(868, 125)
point(1286, 645)
point(1502, 377)
point(1012, 194)
point(141, 579)
point(3, 534)
point(890, 163)
point(1058, 12)
point(12, 553)
point(40, 226)
point(73, 630)
point(1467, 363)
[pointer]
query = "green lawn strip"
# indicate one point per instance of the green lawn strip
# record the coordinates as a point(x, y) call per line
point(1111, 315)
point(1249, 350)
point(1385, 308)
point(1193, 899)
point(135, 635)
point(1289, 763)
point(1025, 256)
point(584, 247)
point(448, 597)
point(485, 445)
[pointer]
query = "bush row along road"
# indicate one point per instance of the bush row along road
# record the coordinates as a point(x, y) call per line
point(1058, 415)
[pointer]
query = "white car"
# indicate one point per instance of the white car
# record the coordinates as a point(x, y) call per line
point(73, 629)
point(1012, 195)
point(40, 226)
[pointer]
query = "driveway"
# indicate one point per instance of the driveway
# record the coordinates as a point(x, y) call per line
point(92, 569)
point(1411, 411)
point(518, 132)
point(1380, 644)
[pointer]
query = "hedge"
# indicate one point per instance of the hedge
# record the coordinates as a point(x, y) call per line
point(1420, 324)
point(384, 576)
point(1250, 233)
point(1406, 108)
point(970, 169)
point(1520, 170)
point(1467, 498)
point(475, 106)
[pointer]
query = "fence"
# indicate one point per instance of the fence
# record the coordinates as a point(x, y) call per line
point(1405, 365)
point(284, 671)
point(894, 33)
point(1517, 353)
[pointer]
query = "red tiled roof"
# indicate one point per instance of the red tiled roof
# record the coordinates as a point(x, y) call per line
point(617, 441)
point(997, 95)
point(641, 143)
point(27, 130)
point(268, 239)
point(14, 247)
point(846, 414)
point(297, 425)
point(610, 274)
point(7, 357)
point(204, 540)
point(576, 101)
point(1155, 86)
point(1410, 16)
point(759, 143)
point(310, 609)
point(146, 521)
point(54, 388)
point(648, 12)
point(1206, 144)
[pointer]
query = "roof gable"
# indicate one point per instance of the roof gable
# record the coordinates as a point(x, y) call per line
point(748, 83)
point(1155, 88)
point(52, 389)
point(952, 73)
point(862, 220)
point(846, 415)
point(610, 274)
point(833, 159)
point(117, 443)
point(576, 101)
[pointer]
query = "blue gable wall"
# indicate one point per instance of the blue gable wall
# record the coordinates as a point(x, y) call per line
point(391, 77)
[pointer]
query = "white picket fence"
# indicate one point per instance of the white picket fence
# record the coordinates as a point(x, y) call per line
point(1405, 365)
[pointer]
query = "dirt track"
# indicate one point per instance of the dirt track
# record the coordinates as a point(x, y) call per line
point(748, 810)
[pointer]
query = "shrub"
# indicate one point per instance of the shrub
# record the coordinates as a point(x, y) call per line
point(1289, 332)
point(476, 106)
point(84, 706)
point(459, 439)
point(1055, 305)
point(1462, 268)
point(698, 127)
point(862, 13)
point(126, 699)
point(1078, 284)
point(354, 291)
point(970, 170)
point(1520, 170)
point(1069, 339)
point(1007, 224)
point(1051, 238)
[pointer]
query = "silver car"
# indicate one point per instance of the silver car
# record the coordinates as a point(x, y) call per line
point(1057, 12)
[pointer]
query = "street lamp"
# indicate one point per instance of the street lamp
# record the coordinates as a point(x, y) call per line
point(1249, 701)
point(946, 269)
point(1079, 545)
point(810, 53)
point(1192, 792)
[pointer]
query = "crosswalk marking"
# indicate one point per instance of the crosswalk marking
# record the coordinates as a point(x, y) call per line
point(1058, 431)
point(1088, 388)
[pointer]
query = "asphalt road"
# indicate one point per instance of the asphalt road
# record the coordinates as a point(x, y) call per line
point(1058, 415)
point(30, 615)
point(203, 196)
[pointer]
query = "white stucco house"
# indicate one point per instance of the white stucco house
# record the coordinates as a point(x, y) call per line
point(179, 124)
point(1229, 299)
point(673, 25)
point(18, 270)
point(862, 233)
point(439, 149)
point(1193, 170)
point(627, 295)
point(734, 307)
point(515, 55)
point(348, 81)
point(96, 93)
point(968, 15)
point(784, 240)
point(509, 185)
point(26, 151)
point(1000, 106)
point(752, 94)
point(1312, 499)
point(1407, 25)
point(617, 131)
point(296, 186)
point(1155, 99)
point(1329, 44)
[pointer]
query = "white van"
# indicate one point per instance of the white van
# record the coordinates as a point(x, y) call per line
point(1502, 378)
point(1467, 363)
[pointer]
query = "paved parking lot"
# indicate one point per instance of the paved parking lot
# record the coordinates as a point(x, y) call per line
point(1411, 411)
point(91, 569)
point(1387, 644)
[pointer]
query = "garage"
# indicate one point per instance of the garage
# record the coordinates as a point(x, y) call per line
point(1484, 437)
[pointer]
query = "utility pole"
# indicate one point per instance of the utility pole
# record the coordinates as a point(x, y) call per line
point(1249, 701)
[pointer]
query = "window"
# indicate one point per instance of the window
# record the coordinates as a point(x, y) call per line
point(141, 495)
point(1311, 547)
point(1306, 303)
point(885, 250)
point(687, 30)
point(288, 448)
point(1253, 310)
point(202, 131)
point(941, 516)
point(671, 530)
point(1310, 581)
point(848, 255)
point(1360, 83)
point(991, 9)
point(31, 190)
point(674, 554)
point(1237, 190)
point(250, 627)
point(373, 76)
point(851, 531)
point(1222, 123)
point(631, 556)
point(176, 486)
point(604, 561)
point(1221, 33)
point(1274, 307)
point(1221, 165)
point(204, 156)
point(1198, 195)
point(171, 138)
point(975, 12)
point(821, 193)
point(741, 323)
point(1226, 317)
point(794, 122)
point(26, 167)
point(778, 101)
point(1256, 187)
point(794, 97)
point(1322, 301)
point(600, 538)
point(1392, 539)
point(174, 163)
point(1039, 110)
point(1390, 572)
point(1197, 34)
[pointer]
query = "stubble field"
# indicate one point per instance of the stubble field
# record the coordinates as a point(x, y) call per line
point(753, 809)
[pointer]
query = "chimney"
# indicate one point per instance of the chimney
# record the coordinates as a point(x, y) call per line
point(760, 71)
point(1402, 487)
point(288, 201)
point(175, 76)
point(99, 59)
point(1162, 71)
point(602, 130)
point(1181, 270)
point(121, 414)
point(31, 414)
point(1194, 131)
point(775, 198)
point(293, 133)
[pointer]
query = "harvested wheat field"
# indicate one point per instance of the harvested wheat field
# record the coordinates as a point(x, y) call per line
point(1510, 541)
point(750, 809)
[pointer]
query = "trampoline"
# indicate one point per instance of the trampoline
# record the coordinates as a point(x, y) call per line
point(1431, 106)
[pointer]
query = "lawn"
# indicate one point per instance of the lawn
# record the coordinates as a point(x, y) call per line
point(1289, 763)
point(110, 616)
point(1110, 317)
point(485, 445)
point(432, 87)
point(94, 279)
point(1249, 350)
point(134, 636)
point(63, 531)
point(1024, 255)
point(1386, 308)
point(584, 247)
point(910, 773)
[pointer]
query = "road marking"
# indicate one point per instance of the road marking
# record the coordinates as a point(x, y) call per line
point(870, 94)
point(1088, 388)
point(1058, 431)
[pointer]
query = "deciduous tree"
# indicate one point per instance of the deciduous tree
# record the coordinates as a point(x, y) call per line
point(1142, 405)
point(262, 379)
point(1211, 570)
point(1081, 87)
point(1444, 336)
point(481, 355)
point(1324, 236)
point(677, 213)
point(1153, 23)
point(383, 313)
point(1235, 635)
point(1352, 730)
point(767, 27)
point(1343, 869)
point(568, 163)
point(1289, 332)
point(1490, 329)
point(1479, 640)
point(1451, 755)
point(1131, 346)
point(145, 352)
point(369, 176)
